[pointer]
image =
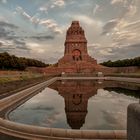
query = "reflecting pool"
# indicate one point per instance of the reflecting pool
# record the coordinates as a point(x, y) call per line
point(76, 104)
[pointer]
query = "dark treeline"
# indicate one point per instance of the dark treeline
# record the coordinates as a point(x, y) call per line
point(11, 62)
point(123, 63)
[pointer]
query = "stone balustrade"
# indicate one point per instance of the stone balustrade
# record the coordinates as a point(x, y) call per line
point(42, 133)
point(10, 100)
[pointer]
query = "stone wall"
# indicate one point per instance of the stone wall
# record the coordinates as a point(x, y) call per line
point(54, 70)
point(106, 70)
point(133, 122)
point(128, 69)
point(132, 69)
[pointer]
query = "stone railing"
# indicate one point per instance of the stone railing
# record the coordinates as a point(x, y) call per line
point(124, 79)
point(42, 133)
point(11, 100)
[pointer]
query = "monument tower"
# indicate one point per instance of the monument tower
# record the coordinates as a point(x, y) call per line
point(76, 58)
point(76, 55)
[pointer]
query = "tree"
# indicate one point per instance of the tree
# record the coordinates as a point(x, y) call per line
point(123, 63)
point(8, 61)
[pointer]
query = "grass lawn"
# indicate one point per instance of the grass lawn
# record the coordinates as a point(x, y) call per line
point(14, 76)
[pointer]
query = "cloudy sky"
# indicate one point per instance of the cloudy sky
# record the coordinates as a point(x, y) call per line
point(37, 28)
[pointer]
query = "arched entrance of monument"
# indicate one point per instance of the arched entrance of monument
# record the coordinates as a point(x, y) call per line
point(76, 55)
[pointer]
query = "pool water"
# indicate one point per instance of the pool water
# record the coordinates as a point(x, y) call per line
point(76, 104)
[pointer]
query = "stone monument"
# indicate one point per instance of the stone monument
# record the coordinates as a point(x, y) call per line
point(76, 57)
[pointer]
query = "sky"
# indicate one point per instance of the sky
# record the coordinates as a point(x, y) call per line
point(37, 28)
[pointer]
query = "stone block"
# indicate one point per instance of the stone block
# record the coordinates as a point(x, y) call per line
point(133, 122)
point(73, 133)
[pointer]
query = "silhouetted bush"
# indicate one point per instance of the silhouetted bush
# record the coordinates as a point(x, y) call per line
point(8, 61)
point(123, 63)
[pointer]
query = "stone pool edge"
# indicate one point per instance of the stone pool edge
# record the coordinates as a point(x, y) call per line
point(35, 132)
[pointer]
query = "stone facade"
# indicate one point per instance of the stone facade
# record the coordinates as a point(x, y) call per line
point(76, 54)
point(76, 58)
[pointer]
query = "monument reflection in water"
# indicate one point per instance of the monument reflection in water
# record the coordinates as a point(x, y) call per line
point(79, 104)
point(76, 94)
